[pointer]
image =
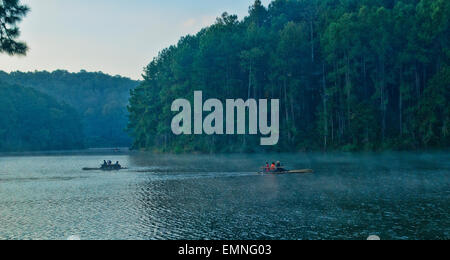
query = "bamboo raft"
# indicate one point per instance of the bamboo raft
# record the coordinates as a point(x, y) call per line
point(304, 171)
point(107, 169)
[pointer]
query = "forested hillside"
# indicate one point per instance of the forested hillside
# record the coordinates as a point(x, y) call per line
point(100, 100)
point(350, 74)
point(32, 121)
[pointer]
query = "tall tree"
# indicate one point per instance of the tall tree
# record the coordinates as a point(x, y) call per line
point(258, 13)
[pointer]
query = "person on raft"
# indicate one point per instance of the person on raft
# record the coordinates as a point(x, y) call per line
point(117, 165)
point(267, 167)
point(273, 167)
point(278, 167)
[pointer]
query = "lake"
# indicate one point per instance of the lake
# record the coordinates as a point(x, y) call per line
point(350, 196)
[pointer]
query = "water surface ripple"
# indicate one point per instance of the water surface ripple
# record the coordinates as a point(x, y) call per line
point(392, 195)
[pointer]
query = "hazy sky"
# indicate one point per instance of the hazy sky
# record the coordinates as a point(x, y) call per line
point(118, 37)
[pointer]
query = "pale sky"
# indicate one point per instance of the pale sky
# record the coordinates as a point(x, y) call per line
point(118, 37)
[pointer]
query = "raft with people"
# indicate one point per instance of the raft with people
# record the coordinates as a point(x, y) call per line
point(276, 168)
point(107, 166)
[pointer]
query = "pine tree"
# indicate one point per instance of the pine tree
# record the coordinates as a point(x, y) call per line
point(11, 13)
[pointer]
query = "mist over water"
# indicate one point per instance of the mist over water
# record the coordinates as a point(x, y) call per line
point(350, 196)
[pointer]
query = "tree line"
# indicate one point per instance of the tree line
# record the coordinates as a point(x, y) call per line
point(350, 75)
point(57, 110)
point(99, 99)
point(33, 121)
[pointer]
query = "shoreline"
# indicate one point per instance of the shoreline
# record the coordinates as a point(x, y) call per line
point(127, 151)
point(89, 151)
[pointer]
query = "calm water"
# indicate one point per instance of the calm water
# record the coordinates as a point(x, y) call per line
point(394, 196)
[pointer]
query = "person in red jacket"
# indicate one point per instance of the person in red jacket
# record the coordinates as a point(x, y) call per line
point(273, 167)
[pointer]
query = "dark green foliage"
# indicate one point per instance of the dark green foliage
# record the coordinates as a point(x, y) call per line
point(11, 12)
point(350, 74)
point(32, 121)
point(434, 111)
point(99, 99)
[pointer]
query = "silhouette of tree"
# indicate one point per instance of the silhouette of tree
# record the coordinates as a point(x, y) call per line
point(11, 13)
